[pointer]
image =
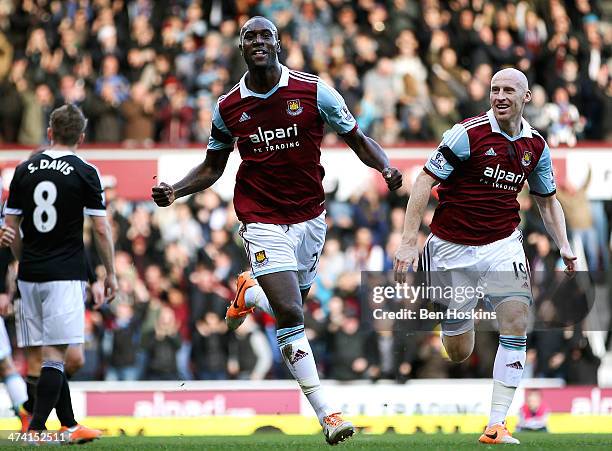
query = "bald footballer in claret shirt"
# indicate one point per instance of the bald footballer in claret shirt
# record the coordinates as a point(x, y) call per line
point(276, 117)
point(481, 166)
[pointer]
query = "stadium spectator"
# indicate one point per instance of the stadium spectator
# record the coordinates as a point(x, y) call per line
point(139, 114)
point(565, 119)
point(348, 349)
point(162, 344)
point(575, 201)
point(533, 415)
point(175, 115)
point(124, 337)
point(37, 106)
point(250, 356)
point(209, 352)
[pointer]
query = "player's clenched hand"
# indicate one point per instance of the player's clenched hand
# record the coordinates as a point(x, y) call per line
point(163, 194)
point(393, 178)
point(7, 235)
point(406, 259)
point(97, 293)
point(110, 287)
point(569, 259)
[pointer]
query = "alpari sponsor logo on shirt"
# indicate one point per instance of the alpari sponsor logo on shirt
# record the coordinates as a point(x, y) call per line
point(502, 179)
point(267, 137)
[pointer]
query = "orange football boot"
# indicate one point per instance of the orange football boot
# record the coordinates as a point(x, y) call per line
point(80, 434)
point(497, 434)
point(237, 310)
point(25, 417)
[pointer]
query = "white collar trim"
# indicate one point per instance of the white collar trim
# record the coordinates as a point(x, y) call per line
point(57, 153)
point(525, 127)
point(246, 92)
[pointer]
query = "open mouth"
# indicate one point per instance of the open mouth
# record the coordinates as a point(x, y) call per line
point(259, 52)
point(502, 107)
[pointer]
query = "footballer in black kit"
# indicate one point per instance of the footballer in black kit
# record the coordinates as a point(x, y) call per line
point(49, 195)
point(51, 191)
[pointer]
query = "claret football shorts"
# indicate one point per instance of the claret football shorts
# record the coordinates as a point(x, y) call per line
point(285, 247)
point(496, 272)
point(50, 313)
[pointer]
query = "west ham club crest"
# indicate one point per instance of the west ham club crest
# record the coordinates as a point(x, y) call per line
point(527, 157)
point(293, 107)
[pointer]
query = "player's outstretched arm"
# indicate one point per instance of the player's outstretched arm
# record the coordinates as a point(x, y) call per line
point(106, 250)
point(554, 221)
point(13, 222)
point(407, 256)
point(199, 178)
point(370, 152)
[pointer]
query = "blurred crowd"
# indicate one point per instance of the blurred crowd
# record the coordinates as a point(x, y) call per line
point(177, 269)
point(149, 71)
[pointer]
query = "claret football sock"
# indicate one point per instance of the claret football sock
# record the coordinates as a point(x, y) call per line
point(47, 393)
point(507, 373)
point(255, 297)
point(63, 407)
point(296, 352)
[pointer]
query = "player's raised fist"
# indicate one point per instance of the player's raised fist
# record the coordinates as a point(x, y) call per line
point(163, 194)
point(7, 235)
point(406, 259)
point(393, 178)
point(570, 260)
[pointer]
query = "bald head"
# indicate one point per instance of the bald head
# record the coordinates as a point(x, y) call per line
point(257, 22)
point(259, 44)
point(513, 75)
point(509, 94)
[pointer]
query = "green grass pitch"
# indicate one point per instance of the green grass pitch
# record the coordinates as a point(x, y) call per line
point(280, 442)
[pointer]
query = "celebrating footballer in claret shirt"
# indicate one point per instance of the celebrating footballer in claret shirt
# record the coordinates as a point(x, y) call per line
point(481, 166)
point(276, 117)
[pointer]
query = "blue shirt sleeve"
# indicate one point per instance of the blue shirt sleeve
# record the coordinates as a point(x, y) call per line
point(333, 110)
point(220, 136)
point(542, 179)
point(454, 148)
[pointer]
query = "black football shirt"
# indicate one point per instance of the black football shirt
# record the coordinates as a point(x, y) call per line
point(52, 191)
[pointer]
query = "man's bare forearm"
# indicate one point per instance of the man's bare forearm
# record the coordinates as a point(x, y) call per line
point(14, 222)
point(368, 150)
point(554, 220)
point(204, 175)
point(104, 244)
point(419, 197)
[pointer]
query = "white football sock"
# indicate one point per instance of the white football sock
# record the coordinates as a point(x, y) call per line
point(255, 297)
point(507, 372)
point(296, 353)
point(17, 390)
